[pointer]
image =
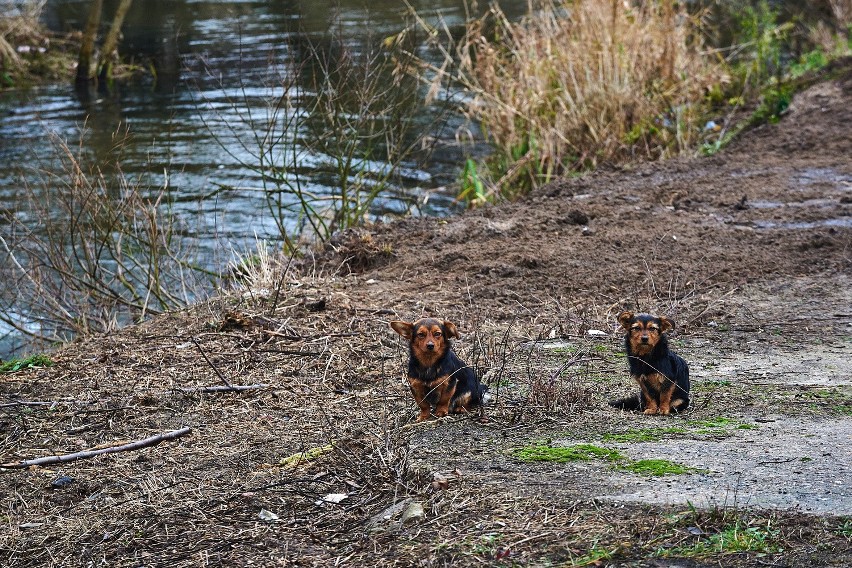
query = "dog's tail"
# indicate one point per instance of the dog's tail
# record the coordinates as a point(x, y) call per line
point(481, 396)
point(633, 402)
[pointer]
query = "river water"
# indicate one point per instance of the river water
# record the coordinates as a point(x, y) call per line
point(192, 126)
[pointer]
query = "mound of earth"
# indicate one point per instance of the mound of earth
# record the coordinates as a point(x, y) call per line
point(319, 462)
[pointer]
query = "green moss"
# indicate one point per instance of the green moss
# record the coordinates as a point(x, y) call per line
point(657, 467)
point(719, 425)
point(643, 435)
point(563, 454)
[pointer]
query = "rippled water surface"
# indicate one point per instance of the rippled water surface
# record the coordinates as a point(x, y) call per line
point(193, 128)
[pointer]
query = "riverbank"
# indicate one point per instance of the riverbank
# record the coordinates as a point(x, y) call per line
point(320, 462)
point(31, 54)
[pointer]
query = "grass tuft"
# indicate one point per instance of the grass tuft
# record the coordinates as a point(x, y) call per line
point(735, 538)
point(578, 84)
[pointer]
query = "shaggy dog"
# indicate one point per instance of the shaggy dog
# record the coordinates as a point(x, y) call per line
point(438, 378)
point(662, 375)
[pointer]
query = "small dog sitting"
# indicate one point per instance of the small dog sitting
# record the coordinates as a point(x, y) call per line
point(662, 375)
point(436, 375)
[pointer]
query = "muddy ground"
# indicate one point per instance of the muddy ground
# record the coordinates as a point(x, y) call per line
point(321, 463)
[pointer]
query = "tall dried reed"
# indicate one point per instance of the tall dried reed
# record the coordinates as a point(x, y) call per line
point(834, 36)
point(578, 84)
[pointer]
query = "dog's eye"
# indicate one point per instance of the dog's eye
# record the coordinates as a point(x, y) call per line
point(421, 334)
point(437, 334)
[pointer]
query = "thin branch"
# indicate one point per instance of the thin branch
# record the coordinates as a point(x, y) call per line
point(224, 388)
point(209, 362)
point(86, 454)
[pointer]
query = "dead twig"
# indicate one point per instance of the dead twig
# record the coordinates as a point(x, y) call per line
point(212, 366)
point(86, 454)
point(28, 403)
point(223, 388)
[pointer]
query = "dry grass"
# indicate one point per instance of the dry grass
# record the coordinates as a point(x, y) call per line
point(580, 84)
point(834, 38)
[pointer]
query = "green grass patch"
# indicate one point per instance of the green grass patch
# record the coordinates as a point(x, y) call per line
point(734, 538)
point(593, 557)
point(716, 426)
point(27, 363)
point(559, 454)
point(845, 409)
point(588, 452)
point(657, 467)
point(643, 435)
point(719, 425)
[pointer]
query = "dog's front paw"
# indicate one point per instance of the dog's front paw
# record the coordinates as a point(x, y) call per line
point(424, 415)
point(650, 411)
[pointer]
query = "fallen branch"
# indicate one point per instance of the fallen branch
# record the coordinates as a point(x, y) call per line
point(223, 388)
point(209, 362)
point(139, 444)
point(28, 403)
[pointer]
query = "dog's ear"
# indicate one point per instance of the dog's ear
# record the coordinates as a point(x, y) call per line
point(450, 330)
point(665, 324)
point(403, 328)
point(624, 318)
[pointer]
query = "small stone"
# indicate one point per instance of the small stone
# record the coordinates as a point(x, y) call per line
point(414, 512)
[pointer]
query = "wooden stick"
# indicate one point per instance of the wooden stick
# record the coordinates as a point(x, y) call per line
point(223, 388)
point(28, 403)
point(209, 362)
point(138, 444)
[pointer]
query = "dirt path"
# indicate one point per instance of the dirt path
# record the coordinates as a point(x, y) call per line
point(749, 251)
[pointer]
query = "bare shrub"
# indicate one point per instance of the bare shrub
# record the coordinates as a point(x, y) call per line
point(525, 374)
point(336, 131)
point(91, 250)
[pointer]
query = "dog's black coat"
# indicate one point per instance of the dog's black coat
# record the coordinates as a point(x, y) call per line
point(461, 376)
point(660, 361)
point(438, 378)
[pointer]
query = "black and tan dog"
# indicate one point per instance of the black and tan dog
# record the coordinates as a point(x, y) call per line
point(662, 375)
point(436, 375)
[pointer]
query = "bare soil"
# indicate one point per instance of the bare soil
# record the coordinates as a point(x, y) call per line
point(749, 251)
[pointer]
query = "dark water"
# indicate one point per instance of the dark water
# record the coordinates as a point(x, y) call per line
point(217, 63)
point(192, 125)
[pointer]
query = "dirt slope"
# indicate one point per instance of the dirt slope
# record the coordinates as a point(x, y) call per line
point(749, 251)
